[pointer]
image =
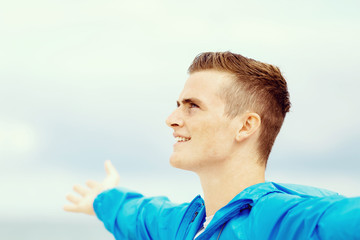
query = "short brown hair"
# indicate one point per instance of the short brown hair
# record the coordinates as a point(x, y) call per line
point(257, 87)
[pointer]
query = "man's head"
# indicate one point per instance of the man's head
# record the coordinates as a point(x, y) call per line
point(232, 88)
point(256, 87)
point(205, 135)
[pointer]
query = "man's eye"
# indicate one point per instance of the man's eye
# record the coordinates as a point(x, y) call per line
point(193, 105)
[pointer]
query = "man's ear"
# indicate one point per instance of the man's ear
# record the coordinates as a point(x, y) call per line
point(250, 124)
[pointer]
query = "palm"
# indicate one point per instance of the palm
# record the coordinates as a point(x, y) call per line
point(84, 201)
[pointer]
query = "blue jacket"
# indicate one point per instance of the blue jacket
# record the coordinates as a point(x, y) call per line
point(262, 211)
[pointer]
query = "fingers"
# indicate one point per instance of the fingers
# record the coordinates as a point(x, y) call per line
point(72, 198)
point(71, 208)
point(84, 202)
point(81, 190)
point(110, 169)
point(92, 184)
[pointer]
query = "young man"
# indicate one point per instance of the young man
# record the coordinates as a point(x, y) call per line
point(226, 121)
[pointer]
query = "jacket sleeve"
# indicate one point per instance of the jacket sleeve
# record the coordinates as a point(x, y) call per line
point(289, 217)
point(341, 220)
point(130, 215)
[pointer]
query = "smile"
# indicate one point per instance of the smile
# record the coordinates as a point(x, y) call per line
point(182, 139)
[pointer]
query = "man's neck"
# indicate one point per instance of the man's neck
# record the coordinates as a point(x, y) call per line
point(221, 184)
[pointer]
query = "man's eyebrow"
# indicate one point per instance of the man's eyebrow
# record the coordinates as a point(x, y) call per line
point(190, 100)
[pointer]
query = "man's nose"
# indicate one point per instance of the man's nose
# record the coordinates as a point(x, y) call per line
point(175, 119)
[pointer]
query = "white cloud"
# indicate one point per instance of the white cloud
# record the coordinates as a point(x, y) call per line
point(17, 139)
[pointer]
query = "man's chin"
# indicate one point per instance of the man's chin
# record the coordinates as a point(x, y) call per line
point(176, 162)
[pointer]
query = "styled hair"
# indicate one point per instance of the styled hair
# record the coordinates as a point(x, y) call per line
point(256, 87)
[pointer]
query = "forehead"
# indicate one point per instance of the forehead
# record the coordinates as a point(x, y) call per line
point(205, 85)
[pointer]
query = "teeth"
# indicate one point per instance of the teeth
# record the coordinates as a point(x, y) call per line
point(181, 139)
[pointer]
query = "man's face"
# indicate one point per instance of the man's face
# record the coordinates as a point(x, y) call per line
point(204, 135)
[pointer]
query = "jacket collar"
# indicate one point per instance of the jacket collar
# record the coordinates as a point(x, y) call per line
point(255, 192)
point(244, 200)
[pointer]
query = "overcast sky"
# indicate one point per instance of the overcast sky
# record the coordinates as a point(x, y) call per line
point(84, 81)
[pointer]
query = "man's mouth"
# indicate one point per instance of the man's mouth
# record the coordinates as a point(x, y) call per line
point(182, 139)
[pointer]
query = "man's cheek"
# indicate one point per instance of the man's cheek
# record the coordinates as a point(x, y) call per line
point(207, 130)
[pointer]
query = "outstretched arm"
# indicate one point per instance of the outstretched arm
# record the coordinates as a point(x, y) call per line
point(82, 202)
point(126, 214)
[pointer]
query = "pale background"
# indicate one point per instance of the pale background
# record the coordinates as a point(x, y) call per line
point(84, 81)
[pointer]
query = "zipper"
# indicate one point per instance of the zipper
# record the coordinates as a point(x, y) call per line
point(189, 217)
point(220, 231)
point(195, 214)
point(222, 222)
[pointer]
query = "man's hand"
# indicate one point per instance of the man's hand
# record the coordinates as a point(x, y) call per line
point(84, 202)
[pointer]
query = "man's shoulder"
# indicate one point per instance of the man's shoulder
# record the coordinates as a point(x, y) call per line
point(302, 190)
point(284, 196)
point(279, 193)
point(264, 190)
point(292, 211)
